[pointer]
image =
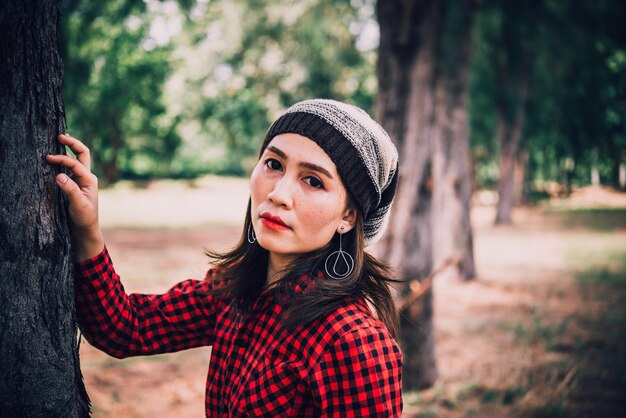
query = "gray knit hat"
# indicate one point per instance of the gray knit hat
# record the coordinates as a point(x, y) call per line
point(364, 155)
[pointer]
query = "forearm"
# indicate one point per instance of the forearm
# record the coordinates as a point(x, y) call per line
point(101, 303)
point(128, 325)
point(87, 243)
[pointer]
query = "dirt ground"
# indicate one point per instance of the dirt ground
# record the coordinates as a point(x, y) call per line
point(541, 332)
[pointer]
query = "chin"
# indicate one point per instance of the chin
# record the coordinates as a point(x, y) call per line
point(271, 244)
point(278, 246)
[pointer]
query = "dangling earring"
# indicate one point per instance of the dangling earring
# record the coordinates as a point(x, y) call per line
point(251, 236)
point(343, 262)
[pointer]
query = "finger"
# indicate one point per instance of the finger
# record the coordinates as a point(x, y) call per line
point(78, 148)
point(78, 170)
point(69, 187)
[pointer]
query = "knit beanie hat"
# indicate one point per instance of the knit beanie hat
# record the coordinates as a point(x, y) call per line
point(365, 157)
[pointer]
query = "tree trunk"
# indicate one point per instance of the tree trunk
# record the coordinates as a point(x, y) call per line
point(617, 173)
point(508, 151)
point(510, 132)
point(595, 174)
point(410, 92)
point(110, 166)
point(452, 181)
point(404, 106)
point(39, 368)
point(416, 320)
point(520, 179)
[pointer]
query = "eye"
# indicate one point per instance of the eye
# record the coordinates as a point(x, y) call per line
point(273, 164)
point(314, 182)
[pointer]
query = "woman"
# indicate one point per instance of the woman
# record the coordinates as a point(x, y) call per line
point(289, 311)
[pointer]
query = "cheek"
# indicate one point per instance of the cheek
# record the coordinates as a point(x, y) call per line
point(256, 183)
point(321, 215)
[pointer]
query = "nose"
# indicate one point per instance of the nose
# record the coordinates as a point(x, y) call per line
point(282, 193)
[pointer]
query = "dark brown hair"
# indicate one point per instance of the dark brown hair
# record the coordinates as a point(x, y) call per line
point(245, 267)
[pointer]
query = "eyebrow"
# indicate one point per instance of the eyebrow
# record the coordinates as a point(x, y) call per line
point(304, 164)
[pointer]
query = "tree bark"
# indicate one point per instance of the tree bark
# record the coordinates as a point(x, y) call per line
point(39, 368)
point(421, 103)
point(520, 179)
point(404, 107)
point(617, 173)
point(452, 181)
point(510, 129)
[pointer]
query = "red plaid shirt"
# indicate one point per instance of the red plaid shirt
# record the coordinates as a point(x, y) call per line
point(345, 364)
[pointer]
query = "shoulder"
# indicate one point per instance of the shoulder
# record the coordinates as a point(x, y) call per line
point(359, 333)
point(354, 315)
point(350, 329)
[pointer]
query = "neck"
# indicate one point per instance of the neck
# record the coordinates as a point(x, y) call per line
point(276, 264)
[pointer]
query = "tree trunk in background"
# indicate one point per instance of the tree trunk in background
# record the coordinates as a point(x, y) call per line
point(408, 76)
point(595, 175)
point(510, 134)
point(39, 368)
point(520, 180)
point(510, 124)
point(404, 107)
point(617, 172)
point(452, 181)
point(110, 168)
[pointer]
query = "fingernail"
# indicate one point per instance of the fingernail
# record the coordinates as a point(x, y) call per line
point(62, 178)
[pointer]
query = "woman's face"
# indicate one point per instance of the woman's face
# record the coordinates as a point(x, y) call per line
point(298, 198)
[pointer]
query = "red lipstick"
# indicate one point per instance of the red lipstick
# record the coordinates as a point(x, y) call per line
point(273, 222)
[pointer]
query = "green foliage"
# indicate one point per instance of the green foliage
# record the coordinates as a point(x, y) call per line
point(576, 92)
point(114, 76)
point(482, 93)
point(243, 62)
point(575, 115)
point(238, 120)
point(182, 88)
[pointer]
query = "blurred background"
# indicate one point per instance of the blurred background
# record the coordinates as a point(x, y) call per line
point(174, 98)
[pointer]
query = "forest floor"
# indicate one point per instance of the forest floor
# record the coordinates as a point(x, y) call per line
point(541, 332)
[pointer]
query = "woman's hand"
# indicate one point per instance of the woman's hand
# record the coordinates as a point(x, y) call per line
point(82, 192)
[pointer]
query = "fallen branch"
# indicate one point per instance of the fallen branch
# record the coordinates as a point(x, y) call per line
point(420, 287)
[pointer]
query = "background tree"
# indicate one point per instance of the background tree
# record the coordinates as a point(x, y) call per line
point(39, 369)
point(451, 157)
point(545, 92)
point(512, 28)
point(117, 60)
point(584, 74)
point(422, 104)
point(243, 62)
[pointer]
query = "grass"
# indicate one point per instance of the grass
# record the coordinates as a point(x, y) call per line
point(537, 331)
point(465, 399)
point(603, 275)
point(600, 259)
point(552, 410)
point(559, 330)
point(595, 219)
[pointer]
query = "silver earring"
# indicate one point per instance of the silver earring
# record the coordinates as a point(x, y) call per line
point(343, 262)
point(251, 236)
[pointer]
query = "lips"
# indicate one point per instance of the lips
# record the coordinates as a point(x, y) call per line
point(273, 222)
